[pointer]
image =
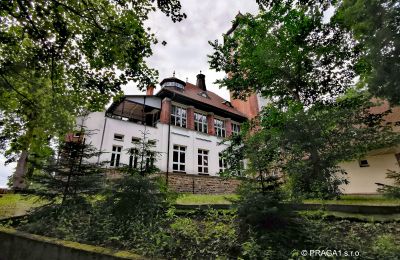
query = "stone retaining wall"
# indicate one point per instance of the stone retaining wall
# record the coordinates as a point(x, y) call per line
point(17, 245)
point(201, 184)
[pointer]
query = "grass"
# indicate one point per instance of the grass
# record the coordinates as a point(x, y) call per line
point(201, 199)
point(16, 204)
point(370, 200)
point(351, 216)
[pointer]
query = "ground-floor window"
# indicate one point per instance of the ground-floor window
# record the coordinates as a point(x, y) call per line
point(202, 161)
point(179, 158)
point(115, 155)
point(222, 163)
point(133, 158)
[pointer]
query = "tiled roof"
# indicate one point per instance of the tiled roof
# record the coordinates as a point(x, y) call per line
point(193, 92)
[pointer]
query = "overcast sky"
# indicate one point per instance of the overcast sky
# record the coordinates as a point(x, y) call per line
point(187, 46)
point(187, 41)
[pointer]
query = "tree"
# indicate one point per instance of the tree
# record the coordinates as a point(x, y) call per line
point(286, 54)
point(315, 119)
point(70, 175)
point(375, 24)
point(59, 58)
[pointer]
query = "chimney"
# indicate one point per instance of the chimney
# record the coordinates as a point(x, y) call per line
point(150, 90)
point(201, 82)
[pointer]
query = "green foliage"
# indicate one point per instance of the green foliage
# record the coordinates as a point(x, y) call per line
point(61, 58)
point(386, 245)
point(375, 23)
point(215, 236)
point(286, 53)
point(391, 191)
point(315, 118)
point(260, 206)
point(136, 196)
point(71, 175)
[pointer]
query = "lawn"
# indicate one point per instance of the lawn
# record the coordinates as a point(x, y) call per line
point(201, 199)
point(16, 204)
point(371, 200)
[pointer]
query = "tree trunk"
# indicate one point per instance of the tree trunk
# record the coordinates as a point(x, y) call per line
point(19, 182)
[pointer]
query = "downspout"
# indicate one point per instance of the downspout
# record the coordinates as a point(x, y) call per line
point(144, 135)
point(102, 138)
point(169, 140)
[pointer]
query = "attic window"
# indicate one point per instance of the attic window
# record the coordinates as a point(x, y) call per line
point(363, 163)
point(203, 94)
point(118, 137)
point(227, 103)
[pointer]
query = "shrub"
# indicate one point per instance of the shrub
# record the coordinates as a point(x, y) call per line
point(257, 206)
point(391, 191)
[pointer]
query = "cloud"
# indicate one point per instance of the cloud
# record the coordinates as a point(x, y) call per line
point(187, 42)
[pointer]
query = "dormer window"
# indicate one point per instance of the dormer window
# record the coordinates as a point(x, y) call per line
point(203, 94)
point(173, 82)
point(227, 103)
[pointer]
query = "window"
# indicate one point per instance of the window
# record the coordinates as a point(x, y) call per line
point(178, 116)
point(133, 158)
point(115, 155)
point(135, 140)
point(363, 163)
point(222, 163)
point(202, 161)
point(178, 164)
point(235, 128)
point(200, 122)
point(149, 159)
point(118, 137)
point(152, 142)
point(219, 126)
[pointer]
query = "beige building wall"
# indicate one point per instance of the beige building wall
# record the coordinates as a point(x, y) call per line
point(362, 179)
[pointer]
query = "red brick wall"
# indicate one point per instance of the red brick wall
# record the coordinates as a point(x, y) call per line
point(190, 117)
point(248, 107)
point(165, 111)
point(210, 124)
point(228, 127)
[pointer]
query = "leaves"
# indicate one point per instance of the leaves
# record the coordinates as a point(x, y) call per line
point(59, 59)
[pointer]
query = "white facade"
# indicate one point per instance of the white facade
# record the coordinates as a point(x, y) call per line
point(104, 128)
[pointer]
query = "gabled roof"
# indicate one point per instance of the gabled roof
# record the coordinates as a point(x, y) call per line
point(209, 98)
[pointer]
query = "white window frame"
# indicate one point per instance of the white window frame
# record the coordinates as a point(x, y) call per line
point(235, 128)
point(118, 137)
point(177, 164)
point(202, 161)
point(219, 126)
point(115, 156)
point(178, 116)
point(133, 158)
point(223, 165)
point(200, 125)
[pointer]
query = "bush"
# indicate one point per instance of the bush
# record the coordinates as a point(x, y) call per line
point(215, 236)
point(258, 207)
point(391, 191)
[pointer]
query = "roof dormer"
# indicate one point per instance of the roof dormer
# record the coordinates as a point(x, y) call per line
point(173, 82)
